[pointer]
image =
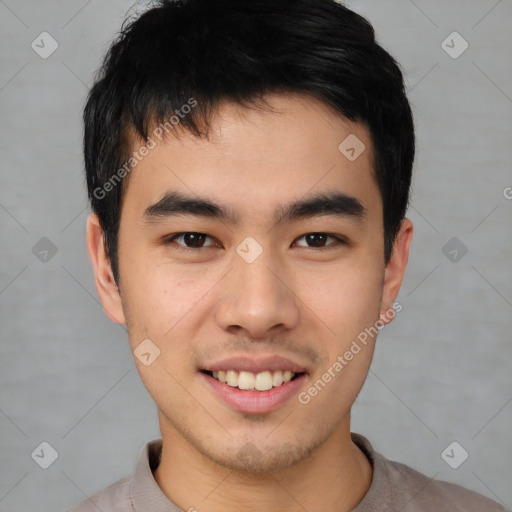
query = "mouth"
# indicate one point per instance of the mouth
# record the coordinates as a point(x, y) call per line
point(253, 393)
point(251, 381)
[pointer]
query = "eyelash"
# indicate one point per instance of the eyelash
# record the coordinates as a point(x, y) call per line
point(339, 240)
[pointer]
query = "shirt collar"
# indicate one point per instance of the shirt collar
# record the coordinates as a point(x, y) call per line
point(144, 491)
point(379, 497)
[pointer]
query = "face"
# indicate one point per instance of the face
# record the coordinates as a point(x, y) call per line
point(257, 251)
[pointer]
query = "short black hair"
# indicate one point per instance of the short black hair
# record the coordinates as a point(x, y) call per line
point(203, 52)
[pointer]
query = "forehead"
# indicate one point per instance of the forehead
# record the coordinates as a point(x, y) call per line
point(256, 159)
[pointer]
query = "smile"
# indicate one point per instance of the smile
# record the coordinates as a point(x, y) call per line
point(262, 381)
point(253, 393)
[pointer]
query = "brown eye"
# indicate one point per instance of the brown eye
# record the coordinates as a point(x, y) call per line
point(190, 240)
point(319, 240)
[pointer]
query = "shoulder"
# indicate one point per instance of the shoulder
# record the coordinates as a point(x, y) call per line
point(114, 498)
point(138, 487)
point(417, 492)
point(396, 486)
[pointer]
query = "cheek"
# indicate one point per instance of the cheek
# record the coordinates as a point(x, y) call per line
point(346, 297)
point(152, 289)
point(163, 299)
point(167, 305)
point(163, 308)
point(346, 307)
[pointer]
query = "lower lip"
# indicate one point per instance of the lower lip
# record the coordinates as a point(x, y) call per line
point(255, 402)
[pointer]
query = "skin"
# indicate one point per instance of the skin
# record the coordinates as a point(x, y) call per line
point(295, 300)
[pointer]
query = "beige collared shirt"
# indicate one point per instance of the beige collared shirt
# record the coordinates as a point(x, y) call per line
point(395, 487)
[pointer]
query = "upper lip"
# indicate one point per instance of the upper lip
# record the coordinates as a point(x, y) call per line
point(255, 364)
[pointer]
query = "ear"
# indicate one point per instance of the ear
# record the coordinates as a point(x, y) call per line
point(103, 276)
point(395, 270)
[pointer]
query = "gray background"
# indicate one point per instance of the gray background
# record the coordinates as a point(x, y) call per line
point(442, 370)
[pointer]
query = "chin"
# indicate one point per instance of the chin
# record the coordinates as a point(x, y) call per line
point(250, 459)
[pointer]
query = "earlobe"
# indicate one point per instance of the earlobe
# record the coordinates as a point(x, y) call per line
point(103, 276)
point(395, 270)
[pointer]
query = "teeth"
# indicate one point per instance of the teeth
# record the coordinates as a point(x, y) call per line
point(277, 378)
point(232, 378)
point(246, 380)
point(262, 381)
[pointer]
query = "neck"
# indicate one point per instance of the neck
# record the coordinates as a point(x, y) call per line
point(335, 476)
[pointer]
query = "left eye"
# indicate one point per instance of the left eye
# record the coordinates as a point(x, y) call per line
point(318, 240)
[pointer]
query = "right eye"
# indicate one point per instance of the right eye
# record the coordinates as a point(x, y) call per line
point(190, 240)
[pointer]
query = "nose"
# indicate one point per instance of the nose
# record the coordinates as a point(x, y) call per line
point(258, 298)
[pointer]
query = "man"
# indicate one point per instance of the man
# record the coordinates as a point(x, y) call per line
point(248, 165)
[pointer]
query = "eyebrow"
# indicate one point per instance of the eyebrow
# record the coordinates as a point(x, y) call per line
point(336, 204)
